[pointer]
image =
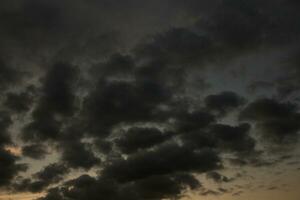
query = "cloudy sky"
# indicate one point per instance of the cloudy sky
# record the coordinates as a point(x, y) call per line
point(149, 100)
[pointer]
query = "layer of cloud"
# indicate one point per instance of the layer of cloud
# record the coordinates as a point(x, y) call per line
point(110, 93)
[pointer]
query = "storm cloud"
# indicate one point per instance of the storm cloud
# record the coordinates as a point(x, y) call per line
point(105, 95)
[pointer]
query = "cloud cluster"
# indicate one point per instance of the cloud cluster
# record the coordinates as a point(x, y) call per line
point(278, 121)
point(106, 101)
point(52, 173)
point(9, 167)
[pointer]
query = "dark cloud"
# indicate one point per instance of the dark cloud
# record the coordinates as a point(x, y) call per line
point(8, 75)
point(288, 84)
point(57, 89)
point(52, 194)
point(116, 67)
point(121, 101)
point(158, 187)
point(125, 93)
point(27, 185)
point(210, 192)
point(116, 102)
point(224, 102)
point(19, 102)
point(254, 161)
point(56, 101)
point(52, 30)
point(43, 128)
point(51, 174)
point(219, 178)
point(78, 155)
point(244, 25)
point(155, 187)
point(177, 47)
point(223, 138)
point(9, 167)
point(193, 121)
point(238, 24)
point(35, 151)
point(236, 139)
point(169, 158)
point(140, 138)
point(113, 103)
point(29, 16)
point(278, 121)
point(260, 85)
point(103, 146)
point(5, 122)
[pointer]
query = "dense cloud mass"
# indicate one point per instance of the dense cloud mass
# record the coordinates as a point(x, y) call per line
point(9, 166)
point(106, 99)
point(52, 173)
point(278, 121)
point(141, 138)
point(224, 102)
point(35, 151)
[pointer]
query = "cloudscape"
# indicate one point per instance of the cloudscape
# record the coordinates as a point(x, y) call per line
point(149, 100)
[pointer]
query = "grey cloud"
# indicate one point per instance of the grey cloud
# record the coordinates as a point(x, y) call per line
point(279, 121)
point(35, 151)
point(133, 61)
point(141, 138)
point(224, 102)
point(51, 174)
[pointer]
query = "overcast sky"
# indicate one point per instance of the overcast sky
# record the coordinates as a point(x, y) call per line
point(149, 100)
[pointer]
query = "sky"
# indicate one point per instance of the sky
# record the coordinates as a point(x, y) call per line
point(149, 100)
